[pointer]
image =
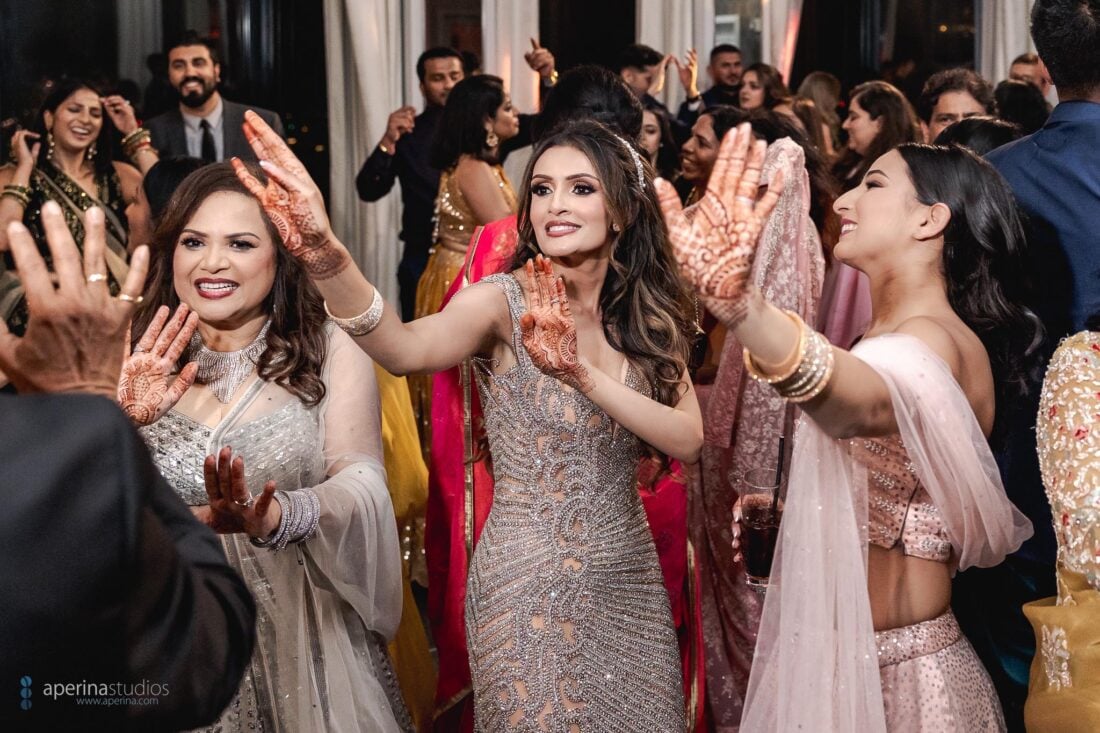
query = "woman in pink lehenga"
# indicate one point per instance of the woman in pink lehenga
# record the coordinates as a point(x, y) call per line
point(742, 421)
point(893, 485)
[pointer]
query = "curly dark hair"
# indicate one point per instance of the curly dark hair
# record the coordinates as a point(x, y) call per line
point(1067, 37)
point(647, 309)
point(955, 80)
point(296, 340)
point(983, 257)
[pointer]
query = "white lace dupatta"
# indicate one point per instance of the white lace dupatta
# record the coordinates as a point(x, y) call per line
point(816, 663)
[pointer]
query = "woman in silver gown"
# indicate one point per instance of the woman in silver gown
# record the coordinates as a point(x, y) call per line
point(303, 509)
point(584, 366)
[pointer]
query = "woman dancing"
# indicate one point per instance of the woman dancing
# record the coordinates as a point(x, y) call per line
point(303, 507)
point(567, 616)
point(856, 632)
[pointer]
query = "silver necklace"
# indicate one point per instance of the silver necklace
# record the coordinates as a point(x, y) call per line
point(223, 371)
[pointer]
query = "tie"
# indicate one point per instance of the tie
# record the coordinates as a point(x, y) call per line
point(209, 154)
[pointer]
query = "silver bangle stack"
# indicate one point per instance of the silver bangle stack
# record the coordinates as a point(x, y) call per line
point(363, 323)
point(810, 373)
point(301, 513)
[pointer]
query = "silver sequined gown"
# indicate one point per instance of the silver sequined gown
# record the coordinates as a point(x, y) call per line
point(320, 661)
point(567, 616)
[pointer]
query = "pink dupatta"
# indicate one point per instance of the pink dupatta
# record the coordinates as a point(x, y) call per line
point(816, 660)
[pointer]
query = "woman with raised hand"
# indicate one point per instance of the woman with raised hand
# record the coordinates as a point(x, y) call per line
point(893, 485)
point(583, 367)
point(271, 434)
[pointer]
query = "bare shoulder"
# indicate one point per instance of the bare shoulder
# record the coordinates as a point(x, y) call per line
point(472, 170)
point(938, 335)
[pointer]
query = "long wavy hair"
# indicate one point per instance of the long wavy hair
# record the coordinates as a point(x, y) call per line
point(645, 306)
point(881, 101)
point(296, 339)
point(775, 90)
point(983, 257)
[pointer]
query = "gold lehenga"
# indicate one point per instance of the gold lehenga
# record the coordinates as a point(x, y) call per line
point(1064, 691)
point(407, 478)
point(454, 225)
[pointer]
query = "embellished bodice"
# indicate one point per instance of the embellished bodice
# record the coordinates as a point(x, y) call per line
point(283, 445)
point(567, 616)
point(899, 509)
point(1068, 432)
point(454, 219)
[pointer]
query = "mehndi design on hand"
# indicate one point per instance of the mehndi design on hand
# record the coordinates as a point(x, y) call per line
point(143, 389)
point(292, 201)
point(549, 332)
point(715, 241)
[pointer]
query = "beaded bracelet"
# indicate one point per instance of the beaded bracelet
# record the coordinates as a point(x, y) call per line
point(363, 323)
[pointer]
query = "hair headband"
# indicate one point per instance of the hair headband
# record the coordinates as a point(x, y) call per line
point(637, 160)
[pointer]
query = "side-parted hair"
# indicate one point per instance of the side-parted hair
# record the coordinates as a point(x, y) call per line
point(62, 89)
point(983, 257)
point(775, 89)
point(296, 340)
point(880, 100)
point(646, 308)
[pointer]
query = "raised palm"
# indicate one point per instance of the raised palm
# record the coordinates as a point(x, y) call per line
point(549, 332)
point(145, 388)
point(292, 201)
point(715, 240)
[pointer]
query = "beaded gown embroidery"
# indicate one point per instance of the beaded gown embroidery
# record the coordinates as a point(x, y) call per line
point(567, 617)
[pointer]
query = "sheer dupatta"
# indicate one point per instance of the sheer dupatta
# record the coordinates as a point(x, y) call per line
point(816, 660)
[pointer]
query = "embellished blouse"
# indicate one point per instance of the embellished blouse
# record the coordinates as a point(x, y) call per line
point(454, 219)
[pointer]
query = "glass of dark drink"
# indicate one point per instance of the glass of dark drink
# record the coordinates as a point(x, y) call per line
point(760, 516)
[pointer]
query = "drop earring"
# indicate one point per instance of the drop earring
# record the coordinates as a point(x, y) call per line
point(491, 139)
point(89, 155)
point(49, 145)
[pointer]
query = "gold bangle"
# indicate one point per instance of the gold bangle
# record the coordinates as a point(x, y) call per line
point(24, 190)
point(135, 134)
point(23, 199)
point(788, 366)
point(814, 372)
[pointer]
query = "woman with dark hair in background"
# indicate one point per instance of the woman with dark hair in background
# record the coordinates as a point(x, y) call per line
point(473, 190)
point(879, 119)
point(1022, 104)
point(68, 157)
point(817, 131)
point(980, 134)
point(823, 89)
point(856, 632)
point(762, 86)
point(657, 142)
point(300, 497)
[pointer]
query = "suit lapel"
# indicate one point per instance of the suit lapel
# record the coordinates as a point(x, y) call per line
point(235, 142)
point(178, 138)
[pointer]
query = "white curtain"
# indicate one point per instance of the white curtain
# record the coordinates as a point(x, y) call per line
point(1005, 34)
point(507, 27)
point(674, 26)
point(371, 48)
point(779, 33)
point(140, 33)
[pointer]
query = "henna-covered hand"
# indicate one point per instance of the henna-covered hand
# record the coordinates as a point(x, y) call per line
point(232, 509)
point(549, 333)
point(144, 392)
point(715, 241)
point(292, 201)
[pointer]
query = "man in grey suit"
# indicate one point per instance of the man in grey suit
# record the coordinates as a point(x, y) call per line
point(205, 125)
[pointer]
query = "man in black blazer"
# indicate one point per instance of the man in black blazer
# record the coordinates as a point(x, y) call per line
point(119, 610)
point(204, 125)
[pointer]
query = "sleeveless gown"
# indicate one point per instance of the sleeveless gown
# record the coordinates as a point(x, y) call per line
point(567, 617)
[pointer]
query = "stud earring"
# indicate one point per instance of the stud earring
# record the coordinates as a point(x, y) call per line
point(491, 139)
point(616, 228)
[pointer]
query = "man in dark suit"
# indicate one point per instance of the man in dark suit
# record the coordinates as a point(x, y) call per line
point(204, 125)
point(724, 70)
point(120, 611)
point(1055, 175)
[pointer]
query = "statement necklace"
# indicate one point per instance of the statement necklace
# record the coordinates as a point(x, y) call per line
point(223, 371)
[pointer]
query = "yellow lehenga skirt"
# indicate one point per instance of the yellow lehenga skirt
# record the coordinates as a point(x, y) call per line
point(444, 265)
point(407, 477)
point(1064, 690)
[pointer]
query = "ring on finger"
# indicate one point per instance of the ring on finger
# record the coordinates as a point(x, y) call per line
point(747, 200)
point(96, 277)
point(127, 298)
point(246, 504)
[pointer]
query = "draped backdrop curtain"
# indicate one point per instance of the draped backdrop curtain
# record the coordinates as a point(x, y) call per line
point(674, 26)
point(1004, 35)
point(140, 33)
point(779, 33)
point(507, 27)
point(371, 48)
